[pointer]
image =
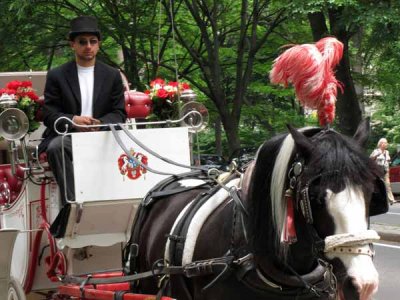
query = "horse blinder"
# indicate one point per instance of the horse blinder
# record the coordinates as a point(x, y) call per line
point(302, 193)
point(378, 204)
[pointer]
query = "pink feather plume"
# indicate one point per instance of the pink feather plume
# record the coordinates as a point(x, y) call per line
point(310, 68)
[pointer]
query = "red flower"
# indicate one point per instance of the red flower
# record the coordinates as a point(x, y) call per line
point(32, 95)
point(26, 84)
point(157, 81)
point(26, 98)
point(173, 83)
point(171, 95)
point(13, 85)
point(147, 92)
point(185, 86)
point(7, 91)
point(161, 93)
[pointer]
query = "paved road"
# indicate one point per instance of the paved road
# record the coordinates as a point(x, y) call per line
point(387, 259)
point(391, 218)
point(387, 262)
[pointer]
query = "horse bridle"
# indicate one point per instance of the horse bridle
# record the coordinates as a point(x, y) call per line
point(347, 243)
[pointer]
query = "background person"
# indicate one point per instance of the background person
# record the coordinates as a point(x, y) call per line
point(382, 158)
point(84, 90)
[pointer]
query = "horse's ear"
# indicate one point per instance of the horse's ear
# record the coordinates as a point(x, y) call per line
point(303, 144)
point(362, 133)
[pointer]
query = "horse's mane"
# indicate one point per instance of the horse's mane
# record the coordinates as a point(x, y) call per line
point(267, 204)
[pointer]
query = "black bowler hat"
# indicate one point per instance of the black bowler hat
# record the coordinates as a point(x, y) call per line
point(84, 24)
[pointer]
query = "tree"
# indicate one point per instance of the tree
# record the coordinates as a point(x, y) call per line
point(223, 48)
point(222, 39)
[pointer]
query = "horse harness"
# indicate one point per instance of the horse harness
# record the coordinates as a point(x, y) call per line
point(238, 260)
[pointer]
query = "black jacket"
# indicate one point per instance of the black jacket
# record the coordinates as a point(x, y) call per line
point(62, 98)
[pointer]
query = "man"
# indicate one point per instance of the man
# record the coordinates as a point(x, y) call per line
point(382, 158)
point(85, 91)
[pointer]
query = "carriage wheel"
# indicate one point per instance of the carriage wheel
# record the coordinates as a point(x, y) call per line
point(15, 290)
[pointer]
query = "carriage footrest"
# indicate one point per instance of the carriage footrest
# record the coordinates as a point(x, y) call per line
point(95, 223)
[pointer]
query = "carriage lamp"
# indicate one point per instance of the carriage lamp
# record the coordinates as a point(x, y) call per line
point(14, 124)
point(7, 101)
point(188, 95)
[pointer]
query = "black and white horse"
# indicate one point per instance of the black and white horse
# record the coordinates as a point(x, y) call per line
point(294, 226)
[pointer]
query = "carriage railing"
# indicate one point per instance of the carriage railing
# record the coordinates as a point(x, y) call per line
point(193, 120)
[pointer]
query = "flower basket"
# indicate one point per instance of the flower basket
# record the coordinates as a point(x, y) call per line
point(165, 98)
point(26, 99)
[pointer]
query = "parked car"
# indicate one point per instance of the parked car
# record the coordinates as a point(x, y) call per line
point(394, 173)
point(213, 161)
point(244, 155)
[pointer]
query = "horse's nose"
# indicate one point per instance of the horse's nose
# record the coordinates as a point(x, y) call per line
point(359, 288)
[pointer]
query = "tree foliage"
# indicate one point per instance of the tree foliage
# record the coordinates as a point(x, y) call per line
point(225, 50)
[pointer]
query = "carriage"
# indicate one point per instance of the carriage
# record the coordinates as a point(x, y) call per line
point(110, 185)
point(292, 224)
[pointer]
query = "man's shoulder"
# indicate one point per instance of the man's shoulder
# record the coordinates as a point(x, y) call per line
point(61, 69)
point(105, 67)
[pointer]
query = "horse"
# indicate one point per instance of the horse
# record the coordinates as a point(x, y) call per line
point(293, 226)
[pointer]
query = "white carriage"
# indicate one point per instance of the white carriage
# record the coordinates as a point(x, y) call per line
point(108, 188)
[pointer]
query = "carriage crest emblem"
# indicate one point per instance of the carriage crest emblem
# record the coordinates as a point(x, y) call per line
point(130, 166)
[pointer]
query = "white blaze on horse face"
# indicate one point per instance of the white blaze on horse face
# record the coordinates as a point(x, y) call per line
point(347, 209)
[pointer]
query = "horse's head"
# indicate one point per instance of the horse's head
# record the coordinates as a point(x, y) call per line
point(334, 183)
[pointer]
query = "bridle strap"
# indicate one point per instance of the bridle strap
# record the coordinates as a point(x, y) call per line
point(365, 250)
point(351, 243)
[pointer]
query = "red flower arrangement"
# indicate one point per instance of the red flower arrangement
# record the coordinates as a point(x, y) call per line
point(165, 98)
point(26, 98)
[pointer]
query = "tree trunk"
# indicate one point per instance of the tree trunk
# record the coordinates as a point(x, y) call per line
point(348, 106)
point(348, 109)
point(218, 136)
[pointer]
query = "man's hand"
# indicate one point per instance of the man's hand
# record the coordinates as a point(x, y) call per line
point(84, 120)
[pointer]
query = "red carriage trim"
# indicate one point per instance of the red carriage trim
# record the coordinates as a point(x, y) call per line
point(11, 186)
point(89, 293)
point(56, 263)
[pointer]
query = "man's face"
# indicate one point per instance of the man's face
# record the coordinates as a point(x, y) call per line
point(86, 47)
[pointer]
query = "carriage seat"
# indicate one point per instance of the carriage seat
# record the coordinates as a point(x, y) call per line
point(137, 104)
point(10, 185)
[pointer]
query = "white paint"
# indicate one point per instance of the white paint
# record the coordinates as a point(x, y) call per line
point(392, 213)
point(191, 182)
point(347, 209)
point(387, 246)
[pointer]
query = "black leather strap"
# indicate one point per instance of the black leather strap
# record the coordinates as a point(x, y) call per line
point(119, 295)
